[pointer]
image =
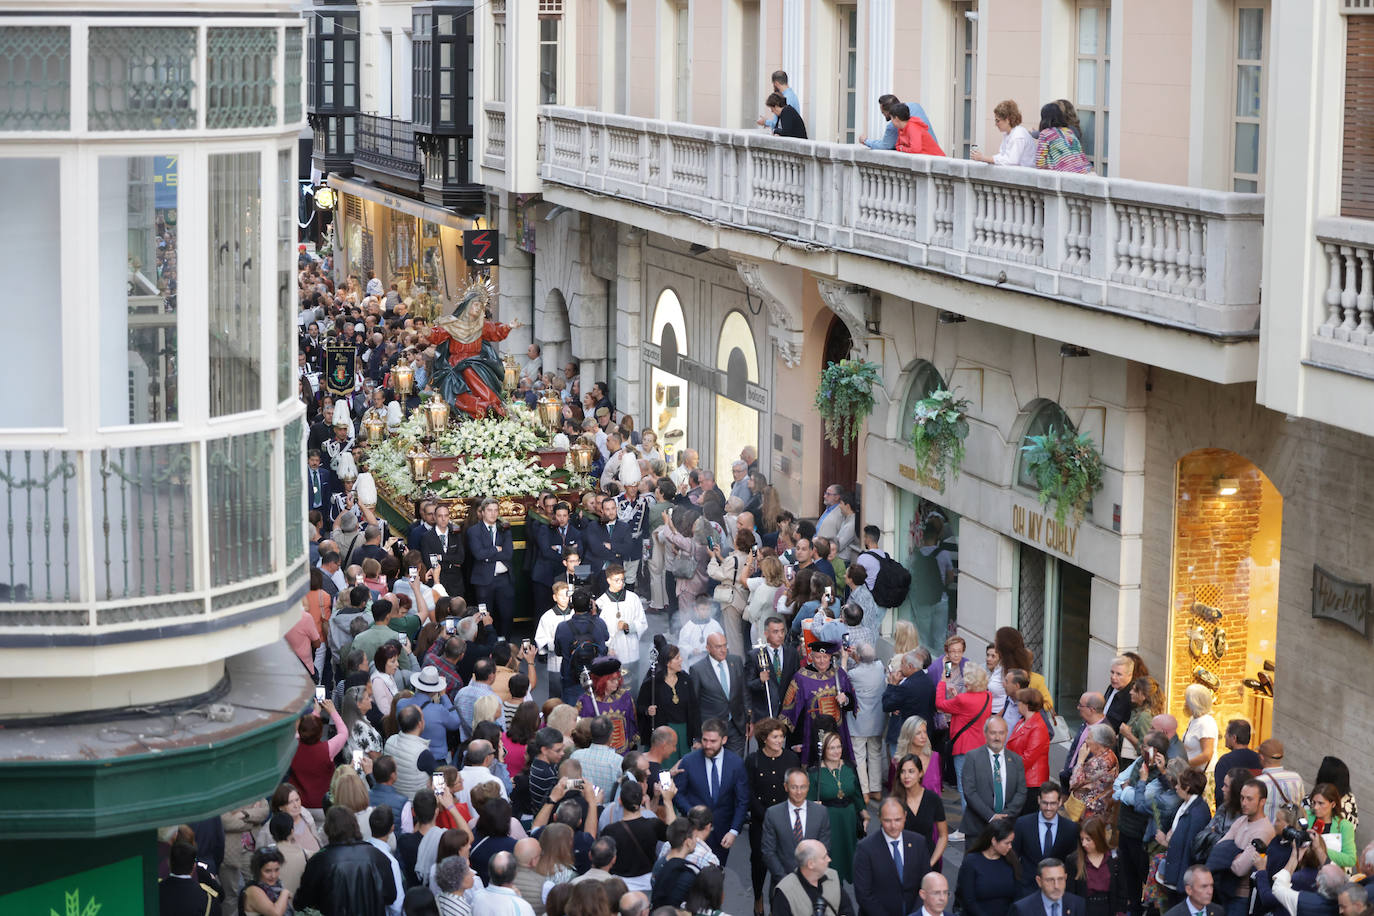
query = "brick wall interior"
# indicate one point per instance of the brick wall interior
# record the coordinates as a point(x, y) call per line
point(1216, 540)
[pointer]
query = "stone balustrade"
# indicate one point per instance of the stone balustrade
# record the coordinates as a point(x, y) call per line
point(494, 145)
point(1176, 256)
point(1344, 337)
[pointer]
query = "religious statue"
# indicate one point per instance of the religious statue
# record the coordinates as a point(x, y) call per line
point(468, 372)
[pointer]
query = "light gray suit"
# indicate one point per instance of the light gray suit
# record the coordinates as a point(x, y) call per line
point(978, 790)
point(780, 844)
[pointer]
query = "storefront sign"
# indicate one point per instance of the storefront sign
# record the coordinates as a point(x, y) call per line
point(1334, 598)
point(755, 397)
point(1044, 530)
point(925, 480)
point(653, 353)
point(701, 374)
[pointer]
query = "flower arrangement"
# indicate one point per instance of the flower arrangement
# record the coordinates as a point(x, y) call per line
point(1067, 469)
point(490, 437)
point(501, 477)
point(845, 399)
point(939, 433)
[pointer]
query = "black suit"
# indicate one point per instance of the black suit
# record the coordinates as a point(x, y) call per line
point(186, 896)
point(450, 558)
point(489, 587)
point(1033, 905)
point(319, 483)
point(712, 703)
point(876, 881)
point(1182, 909)
point(914, 696)
point(551, 544)
point(765, 699)
point(1118, 709)
point(1028, 843)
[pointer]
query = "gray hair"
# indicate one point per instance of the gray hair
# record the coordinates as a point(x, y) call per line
point(913, 659)
point(1331, 880)
point(488, 501)
point(808, 851)
point(990, 720)
point(909, 728)
point(1102, 734)
point(1358, 894)
point(451, 874)
point(866, 652)
point(467, 628)
point(1192, 872)
point(976, 678)
point(739, 463)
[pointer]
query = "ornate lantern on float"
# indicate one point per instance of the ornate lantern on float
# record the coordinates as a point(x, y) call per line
point(375, 427)
point(417, 459)
point(436, 415)
point(403, 378)
point(512, 373)
point(581, 454)
point(550, 411)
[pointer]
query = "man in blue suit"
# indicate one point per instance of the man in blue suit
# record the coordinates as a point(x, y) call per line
point(909, 692)
point(1051, 899)
point(1044, 834)
point(610, 541)
point(552, 543)
point(320, 481)
point(889, 865)
point(492, 552)
point(714, 776)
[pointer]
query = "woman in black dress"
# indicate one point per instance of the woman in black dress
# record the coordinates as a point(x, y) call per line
point(990, 878)
point(766, 769)
point(925, 810)
point(1095, 871)
point(667, 698)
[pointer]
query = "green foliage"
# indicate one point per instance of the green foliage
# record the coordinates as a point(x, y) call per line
point(845, 399)
point(939, 433)
point(1067, 469)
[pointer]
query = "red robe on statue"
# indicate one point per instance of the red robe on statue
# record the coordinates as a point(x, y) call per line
point(479, 397)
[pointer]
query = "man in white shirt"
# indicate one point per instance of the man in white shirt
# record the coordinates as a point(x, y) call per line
point(1285, 786)
point(789, 822)
point(381, 823)
point(689, 464)
point(533, 365)
point(479, 758)
point(500, 898)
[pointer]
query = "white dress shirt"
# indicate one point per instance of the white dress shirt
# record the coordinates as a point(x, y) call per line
point(992, 762)
point(793, 812)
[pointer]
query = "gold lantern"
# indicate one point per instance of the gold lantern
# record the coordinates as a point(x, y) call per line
point(403, 377)
point(375, 427)
point(550, 411)
point(581, 454)
point(512, 376)
point(436, 415)
point(418, 461)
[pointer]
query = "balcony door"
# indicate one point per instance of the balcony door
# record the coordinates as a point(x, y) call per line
point(847, 55)
point(837, 466)
point(965, 82)
point(1092, 78)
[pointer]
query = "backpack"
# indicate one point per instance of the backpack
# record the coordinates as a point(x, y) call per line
point(586, 647)
point(893, 582)
point(931, 585)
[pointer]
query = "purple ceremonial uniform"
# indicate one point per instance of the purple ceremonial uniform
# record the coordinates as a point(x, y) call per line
point(620, 709)
point(811, 695)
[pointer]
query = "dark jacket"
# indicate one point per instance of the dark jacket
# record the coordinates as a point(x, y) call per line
point(766, 699)
point(914, 696)
point(485, 555)
point(1116, 889)
point(790, 123)
point(1180, 853)
point(1028, 838)
point(1033, 905)
point(347, 879)
point(550, 546)
point(188, 896)
point(878, 888)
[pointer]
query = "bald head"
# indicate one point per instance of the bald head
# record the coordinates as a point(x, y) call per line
point(811, 856)
point(633, 903)
point(527, 852)
point(1165, 724)
point(934, 893)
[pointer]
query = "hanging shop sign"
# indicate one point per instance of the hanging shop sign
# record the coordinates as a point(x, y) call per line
point(1043, 530)
point(1341, 600)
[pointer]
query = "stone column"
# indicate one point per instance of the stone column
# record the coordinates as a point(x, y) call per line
point(629, 320)
point(986, 568)
point(516, 274)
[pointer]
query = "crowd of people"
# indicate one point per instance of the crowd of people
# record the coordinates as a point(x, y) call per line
point(703, 665)
point(1056, 145)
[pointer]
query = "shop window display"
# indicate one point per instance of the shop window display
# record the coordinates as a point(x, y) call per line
point(1227, 533)
point(737, 424)
point(668, 398)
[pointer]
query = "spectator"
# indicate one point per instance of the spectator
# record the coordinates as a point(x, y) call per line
point(912, 134)
point(349, 875)
point(1252, 825)
point(313, 763)
point(1091, 783)
point(800, 893)
point(1058, 148)
point(990, 876)
point(1031, 742)
point(381, 826)
point(787, 120)
point(636, 836)
point(1337, 832)
point(1095, 872)
point(780, 86)
point(1334, 771)
point(1190, 819)
point(441, 718)
point(672, 882)
point(1283, 786)
point(867, 721)
point(410, 750)
point(889, 138)
point(968, 713)
point(528, 882)
point(1200, 737)
point(1018, 146)
point(1238, 754)
point(455, 881)
point(707, 893)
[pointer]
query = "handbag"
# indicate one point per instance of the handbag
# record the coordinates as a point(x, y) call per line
point(1073, 808)
point(725, 593)
point(682, 563)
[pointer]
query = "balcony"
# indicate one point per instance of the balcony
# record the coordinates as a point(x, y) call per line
point(1344, 341)
point(387, 146)
point(1177, 257)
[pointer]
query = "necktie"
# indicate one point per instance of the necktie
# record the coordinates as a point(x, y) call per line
point(724, 678)
point(777, 665)
point(1049, 839)
point(314, 483)
point(1054, 908)
point(715, 777)
point(797, 832)
point(997, 784)
point(492, 528)
point(897, 856)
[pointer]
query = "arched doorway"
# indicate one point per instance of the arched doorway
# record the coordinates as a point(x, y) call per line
point(668, 397)
point(1228, 524)
point(836, 466)
point(737, 424)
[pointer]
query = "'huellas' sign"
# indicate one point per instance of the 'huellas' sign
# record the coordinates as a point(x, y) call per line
point(1334, 598)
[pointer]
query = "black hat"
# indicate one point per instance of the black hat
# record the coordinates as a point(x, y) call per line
point(605, 665)
point(822, 646)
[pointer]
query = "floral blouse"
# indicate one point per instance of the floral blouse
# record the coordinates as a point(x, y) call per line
point(1092, 782)
point(363, 737)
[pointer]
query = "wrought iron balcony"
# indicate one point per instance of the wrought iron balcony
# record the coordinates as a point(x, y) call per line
point(1179, 257)
point(387, 146)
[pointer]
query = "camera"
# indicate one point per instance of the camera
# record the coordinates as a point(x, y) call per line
point(437, 783)
point(450, 625)
point(664, 779)
point(319, 694)
point(1293, 835)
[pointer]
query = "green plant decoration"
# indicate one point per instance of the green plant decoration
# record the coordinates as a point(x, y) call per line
point(1067, 469)
point(845, 398)
point(939, 433)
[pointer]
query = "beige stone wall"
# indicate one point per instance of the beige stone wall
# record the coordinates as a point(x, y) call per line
point(1322, 703)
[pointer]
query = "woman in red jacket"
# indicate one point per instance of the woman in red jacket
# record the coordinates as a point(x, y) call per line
point(967, 713)
point(913, 135)
point(1031, 740)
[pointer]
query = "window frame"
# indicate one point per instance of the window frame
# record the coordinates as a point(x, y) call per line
point(1235, 119)
point(1102, 88)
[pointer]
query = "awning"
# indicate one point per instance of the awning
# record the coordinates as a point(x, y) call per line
point(404, 204)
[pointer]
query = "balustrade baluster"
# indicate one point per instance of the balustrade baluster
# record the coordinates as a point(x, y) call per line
point(28, 510)
point(1037, 251)
point(1366, 300)
point(1197, 255)
point(1349, 291)
point(1169, 263)
point(47, 524)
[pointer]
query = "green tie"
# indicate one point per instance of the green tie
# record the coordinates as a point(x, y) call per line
point(997, 799)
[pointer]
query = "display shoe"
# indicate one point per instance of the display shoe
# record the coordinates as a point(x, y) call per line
point(1267, 681)
point(1268, 665)
point(1206, 678)
point(1206, 612)
point(1197, 643)
point(1258, 687)
point(1219, 643)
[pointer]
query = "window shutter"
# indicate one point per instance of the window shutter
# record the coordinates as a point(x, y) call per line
point(1357, 159)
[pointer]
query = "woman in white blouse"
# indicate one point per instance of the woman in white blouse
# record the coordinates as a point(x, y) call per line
point(1018, 146)
point(1200, 737)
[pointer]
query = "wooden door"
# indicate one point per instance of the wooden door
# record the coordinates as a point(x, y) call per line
point(836, 466)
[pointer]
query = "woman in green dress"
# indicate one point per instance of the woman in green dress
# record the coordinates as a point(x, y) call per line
point(835, 784)
point(667, 698)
